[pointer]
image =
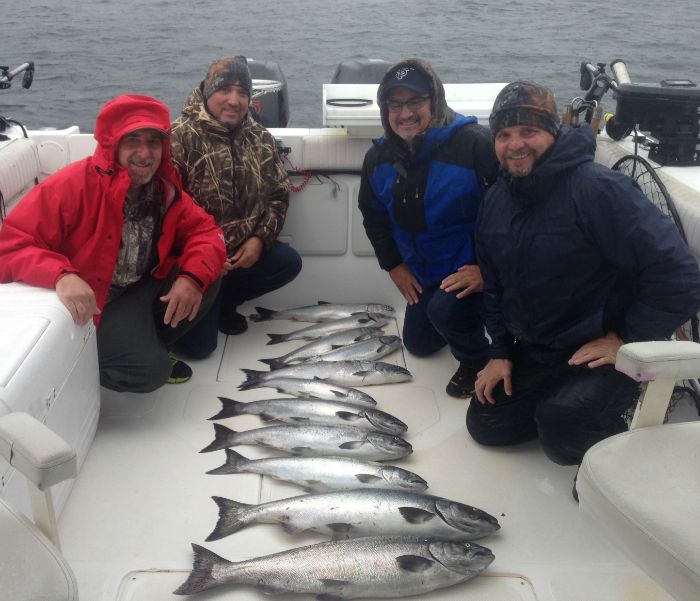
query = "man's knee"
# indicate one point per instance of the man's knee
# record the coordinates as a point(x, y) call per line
point(137, 374)
point(491, 429)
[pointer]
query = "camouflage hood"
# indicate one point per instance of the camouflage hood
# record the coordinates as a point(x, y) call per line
point(441, 113)
point(236, 174)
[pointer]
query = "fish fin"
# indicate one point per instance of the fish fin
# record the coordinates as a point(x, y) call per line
point(413, 515)
point(200, 578)
point(334, 590)
point(347, 416)
point(271, 589)
point(229, 408)
point(299, 420)
point(274, 363)
point(290, 528)
point(233, 464)
point(303, 451)
point(223, 437)
point(262, 314)
point(324, 302)
point(353, 444)
point(266, 417)
point(414, 563)
point(230, 519)
point(340, 530)
point(337, 346)
point(276, 338)
point(312, 485)
point(367, 478)
point(362, 373)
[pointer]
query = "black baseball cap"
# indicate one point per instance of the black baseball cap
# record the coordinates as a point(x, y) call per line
point(409, 77)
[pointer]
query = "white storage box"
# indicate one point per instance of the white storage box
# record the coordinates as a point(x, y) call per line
point(49, 369)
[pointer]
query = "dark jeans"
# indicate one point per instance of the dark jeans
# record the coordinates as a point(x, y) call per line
point(440, 318)
point(133, 341)
point(275, 268)
point(569, 408)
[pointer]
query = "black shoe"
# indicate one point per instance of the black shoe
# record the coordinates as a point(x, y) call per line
point(461, 385)
point(232, 323)
point(180, 372)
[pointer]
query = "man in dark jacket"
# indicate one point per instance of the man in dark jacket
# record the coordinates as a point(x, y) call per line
point(422, 184)
point(576, 261)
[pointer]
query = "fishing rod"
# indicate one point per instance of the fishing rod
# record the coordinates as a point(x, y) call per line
point(7, 75)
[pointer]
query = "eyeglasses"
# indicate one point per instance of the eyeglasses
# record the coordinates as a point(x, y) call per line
point(412, 104)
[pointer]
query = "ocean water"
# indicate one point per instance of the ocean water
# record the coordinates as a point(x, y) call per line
point(88, 51)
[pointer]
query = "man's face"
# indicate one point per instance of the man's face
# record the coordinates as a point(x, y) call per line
point(140, 152)
point(229, 105)
point(409, 113)
point(520, 146)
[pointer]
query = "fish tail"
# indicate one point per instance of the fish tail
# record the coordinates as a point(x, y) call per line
point(262, 314)
point(230, 520)
point(277, 338)
point(201, 578)
point(223, 437)
point(234, 464)
point(253, 377)
point(229, 408)
point(274, 363)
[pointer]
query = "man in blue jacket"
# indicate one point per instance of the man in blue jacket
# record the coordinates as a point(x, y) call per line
point(576, 261)
point(422, 184)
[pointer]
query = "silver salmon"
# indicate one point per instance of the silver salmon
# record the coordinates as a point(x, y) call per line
point(343, 373)
point(316, 389)
point(365, 350)
point(355, 513)
point(323, 345)
point(322, 311)
point(315, 440)
point(319, 330)
point(348, 569)
point(304, 411)
point(325, 474)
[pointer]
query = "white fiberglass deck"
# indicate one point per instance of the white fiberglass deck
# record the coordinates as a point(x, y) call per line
point(143, 496)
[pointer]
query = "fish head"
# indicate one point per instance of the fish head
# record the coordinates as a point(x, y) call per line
point(360, 397)
point(394, 373)
point(403, 479)
point(468, 559)
point(387, 310)
point(473, 521)
point(394, 446)
point(384, 422)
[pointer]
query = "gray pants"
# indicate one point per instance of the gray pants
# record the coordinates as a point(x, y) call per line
point(133, 341)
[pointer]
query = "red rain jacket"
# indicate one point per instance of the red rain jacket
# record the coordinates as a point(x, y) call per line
point(72, 222)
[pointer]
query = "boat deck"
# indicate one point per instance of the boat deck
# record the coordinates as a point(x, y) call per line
point(143, 494)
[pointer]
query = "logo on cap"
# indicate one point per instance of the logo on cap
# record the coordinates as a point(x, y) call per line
point(401, 73)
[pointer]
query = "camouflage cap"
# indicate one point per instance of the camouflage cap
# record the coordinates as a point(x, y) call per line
point(525, 103)
point(227, 71)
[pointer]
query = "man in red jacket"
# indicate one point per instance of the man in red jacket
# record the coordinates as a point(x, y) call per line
point(122, 244)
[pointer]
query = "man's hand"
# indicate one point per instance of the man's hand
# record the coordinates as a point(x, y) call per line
point(489, 377)
point(183, 301)
point(466, 279)
point(78, 297)
point(601, 351)
point(406, 282)
point(247, 255)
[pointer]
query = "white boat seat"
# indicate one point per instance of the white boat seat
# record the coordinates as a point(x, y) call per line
point(31, 566)
point(19, 170)
point(642, 487)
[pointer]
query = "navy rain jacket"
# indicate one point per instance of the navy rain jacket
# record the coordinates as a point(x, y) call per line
point(573, 251)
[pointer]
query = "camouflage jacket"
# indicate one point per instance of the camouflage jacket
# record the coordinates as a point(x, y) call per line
point(236, 174)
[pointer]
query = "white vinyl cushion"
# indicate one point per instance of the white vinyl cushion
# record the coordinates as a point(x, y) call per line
point(659, 360)
point(31, 568)
point(642, 488)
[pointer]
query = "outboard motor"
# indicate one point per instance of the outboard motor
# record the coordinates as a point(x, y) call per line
point(361, 70)
point(270, 100)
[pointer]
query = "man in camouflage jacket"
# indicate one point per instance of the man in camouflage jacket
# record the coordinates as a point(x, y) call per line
point(230, 165)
